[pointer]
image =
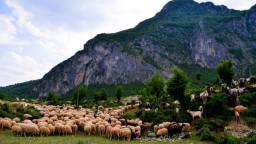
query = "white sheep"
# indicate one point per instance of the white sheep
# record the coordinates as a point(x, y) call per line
point(196, 113)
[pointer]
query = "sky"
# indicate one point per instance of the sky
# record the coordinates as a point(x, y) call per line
point(37, 35)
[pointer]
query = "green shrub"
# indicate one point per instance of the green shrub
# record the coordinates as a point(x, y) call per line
point(250, 121)
point(229, 140)
point(200, 123)
point(251, 140)
point(131, 114)
point(155, 117)
point(205, 134)
point(217, 107)
point(248, 98)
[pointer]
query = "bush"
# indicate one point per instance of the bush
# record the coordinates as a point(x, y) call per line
point(205, 134)
point(251, 140)
point(200, 123)
point(229, 140)
point(217, 107)
point(250, 121)
point(248, 98)
point(155, 117)
point(131, 114)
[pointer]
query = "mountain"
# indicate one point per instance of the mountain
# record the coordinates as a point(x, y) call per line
point(184, 33)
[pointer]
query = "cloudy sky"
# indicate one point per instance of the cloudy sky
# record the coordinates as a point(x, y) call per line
point(37, 35)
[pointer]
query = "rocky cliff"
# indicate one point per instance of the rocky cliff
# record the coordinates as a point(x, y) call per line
point(183, 32)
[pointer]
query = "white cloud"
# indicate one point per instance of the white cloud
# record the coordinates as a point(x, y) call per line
point(37, 35)
point(7, 30)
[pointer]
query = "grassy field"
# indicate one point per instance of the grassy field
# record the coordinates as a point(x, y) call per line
point(7, 138)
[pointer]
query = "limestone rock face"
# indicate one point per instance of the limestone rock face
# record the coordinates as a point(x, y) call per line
point(183, 32)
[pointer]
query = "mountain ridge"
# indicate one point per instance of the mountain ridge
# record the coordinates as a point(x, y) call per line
point(183, 32)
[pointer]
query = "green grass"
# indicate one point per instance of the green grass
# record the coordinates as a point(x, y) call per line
point(7, 138)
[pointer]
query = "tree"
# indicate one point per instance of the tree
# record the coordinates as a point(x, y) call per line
point(119, 92)
point(103, 94)
point(177, 84)
point(198, 76)
point(156, 86)
point(2, 96)
point(225, 71)
point(96, 96)
point(79, 94)
point(52, 98)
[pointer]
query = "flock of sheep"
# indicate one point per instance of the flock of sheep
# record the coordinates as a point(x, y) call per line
point(66, 120)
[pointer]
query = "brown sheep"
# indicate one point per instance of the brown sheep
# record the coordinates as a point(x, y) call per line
point(114, 132)
point(74, 128)
point(237, 117)
point(44, 131)
point(87, 129)
point(102, 129)
point(162, 132)
point(16, 119)
point(68, 129)
point(240, 108)
point(155, 128)
point(30, 129)
point(16, 130)
point(26, 116)
point(126, 134)
point(5, 124)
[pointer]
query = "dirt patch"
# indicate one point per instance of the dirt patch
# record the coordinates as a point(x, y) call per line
point(238, 130)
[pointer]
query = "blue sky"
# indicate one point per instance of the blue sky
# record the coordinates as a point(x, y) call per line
point(37, 35)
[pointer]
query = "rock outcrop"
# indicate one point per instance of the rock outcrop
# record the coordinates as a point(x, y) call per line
point(183, 32)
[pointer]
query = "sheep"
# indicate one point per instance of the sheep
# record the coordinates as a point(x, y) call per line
point(16, 130)
point(233, 92)
point(5, 124)
point(16, 119)
point(126, 133)
point(88, 129)
point(26, 116)
point(114, 132)
point(240, 108)
point(162, 132)
point(102, 129)
point(44, 131)
point(31, 129)
point(195, 114)
point(186, 127)
point(204, 95)
point(237, 117)
point(192, 97)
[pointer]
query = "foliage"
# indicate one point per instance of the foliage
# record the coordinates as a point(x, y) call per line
point(217, 107)
point(229, 140)
point(79, 94)
point(156, 86)
point(130, 114)
point(53, 99)
point(198, 76)
point(237, 52)
point(21, 90)
point(248, 99)
point(225, 71)
point(96, 96)
point(119, 92)
point(7, 111)
point(103, 94)
point(200, 123)
point(154, 116)
point(205, 134)
point(2, 96)
point(177, 85)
